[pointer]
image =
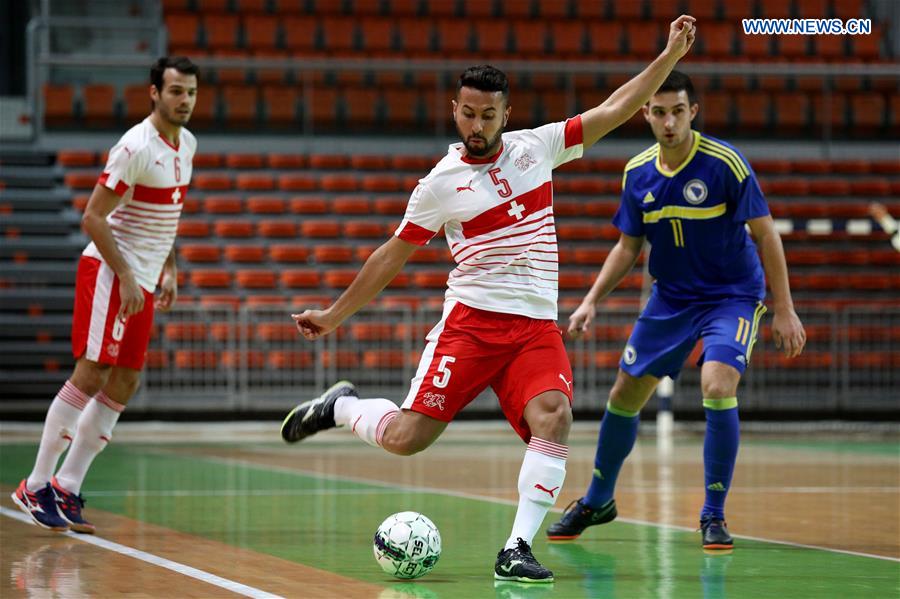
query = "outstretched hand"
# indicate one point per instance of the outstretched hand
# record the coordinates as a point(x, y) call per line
point(682, 33)
point(313, 324)
point(788, 332)
point(581, 320)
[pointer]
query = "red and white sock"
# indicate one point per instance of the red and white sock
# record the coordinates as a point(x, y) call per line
point(94, 432)
point(367, 418)
point(59, 429)
point(540, 481)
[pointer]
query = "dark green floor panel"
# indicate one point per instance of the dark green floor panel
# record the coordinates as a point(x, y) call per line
point(329, 524)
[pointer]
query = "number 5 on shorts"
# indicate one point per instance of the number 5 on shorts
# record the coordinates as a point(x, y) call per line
point(444, 372)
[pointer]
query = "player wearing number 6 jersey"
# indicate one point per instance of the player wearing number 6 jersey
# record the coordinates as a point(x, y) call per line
point(690, 196)
point(131, 218)
point(493, 197)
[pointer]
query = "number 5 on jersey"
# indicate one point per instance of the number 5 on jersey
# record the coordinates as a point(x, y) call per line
point(505, 190)
point(442, 379)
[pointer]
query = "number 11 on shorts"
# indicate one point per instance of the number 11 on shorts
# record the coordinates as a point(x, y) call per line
point(442, 379)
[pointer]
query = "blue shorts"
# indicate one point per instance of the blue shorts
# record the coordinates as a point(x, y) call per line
point(666, 332)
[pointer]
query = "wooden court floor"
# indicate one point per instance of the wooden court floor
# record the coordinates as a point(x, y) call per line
point(213, 512)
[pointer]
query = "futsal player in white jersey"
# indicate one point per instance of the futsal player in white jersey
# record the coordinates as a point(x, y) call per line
point(492, 194)
point(131, 218)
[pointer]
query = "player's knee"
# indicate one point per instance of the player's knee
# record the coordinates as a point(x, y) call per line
point(718, 389)
point(89, 377)
point(549, 417)
point(626, 399)
point(404, 441)
point(122, 385)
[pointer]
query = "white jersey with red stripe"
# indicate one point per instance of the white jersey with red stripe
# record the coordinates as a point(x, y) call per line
point(497, 215)
point(151, 176)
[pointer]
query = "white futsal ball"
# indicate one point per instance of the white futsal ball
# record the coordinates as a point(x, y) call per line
point(407, 545)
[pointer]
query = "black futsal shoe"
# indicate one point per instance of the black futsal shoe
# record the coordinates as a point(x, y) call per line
point(316, 414)
point(518, 564)
point(577, 517)
point(715, 534)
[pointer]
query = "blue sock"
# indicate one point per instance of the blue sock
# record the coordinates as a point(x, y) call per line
point(720, 449)
point(618, 432)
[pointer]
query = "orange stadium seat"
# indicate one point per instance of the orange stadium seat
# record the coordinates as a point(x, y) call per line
point(529, 38)
point(867, 47)
point(338, 34)
point(286, 161)
point(390, 206)
point(753, 110)
point(220, 301)
point(288, 253)
point(223, 204)
point(415, 36)
point(755, 46)
point(705, 10)
point(441, 8)
point(363, 229)
point(255, 279)
point(605, 38)
point(305, 277)
point(221, 30)
point(80, 179)
point(137, 103)
point(838, 110)
point(573, 280)
point(196, 359)
point(329, 161)
point(300, 34)
point(212, 181)
point(199, 252)
point(384, 358)
point(492, 37)
point(386, 182)
point(206, 278)
point(255, 181)
point(870, 187)
point(290, 359)
point(245, 253)
point(371, 162)
point(718, 39)
point(553, 9)
point(276, 228)
point(791, 110)
point(99, 104)
point(308, 205)
point(59, 104)
point(813, 9)
point(266, 205)
point(193, 228)
point(338, 279)
point(351, 204)
point(362, 106)
point(830, 47)
point(868, 111)
point(454, 36)
point(430, 279)
point(185, 331)
point(339, 182)
point(298, 182)
point(377, 34)
point(364, 251)
point(260, 32)
point(234, 228)
point(567, 37)
point(848, 9)
point(793, 46)
point(630, 11)
point(323, 106)
point(244, 160)
point(240, 104)
point(320, 228)
point(183, 29)
point(643, 39)
point(333, 254)
point(734, 10)
point(76, 158)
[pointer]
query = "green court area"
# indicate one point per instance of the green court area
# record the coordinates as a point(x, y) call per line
point(327, 522)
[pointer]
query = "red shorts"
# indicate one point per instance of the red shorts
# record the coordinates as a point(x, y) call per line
point(469, 349)
point(96, 332)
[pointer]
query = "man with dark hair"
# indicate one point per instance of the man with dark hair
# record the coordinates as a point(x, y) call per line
point(691, 196)
point(131, 218)
point(492, 195)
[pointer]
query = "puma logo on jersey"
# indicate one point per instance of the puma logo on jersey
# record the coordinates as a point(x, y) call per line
point(568, 383)
point(549, 492)
point(127, 151)
point(159, 163)
point(466, 187)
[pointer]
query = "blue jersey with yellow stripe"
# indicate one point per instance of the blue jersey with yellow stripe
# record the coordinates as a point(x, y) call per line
point(694, 219)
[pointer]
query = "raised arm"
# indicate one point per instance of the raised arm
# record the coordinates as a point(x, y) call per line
point(623, 103)
point(379, 270)
point(787, 330)
point(620, 261)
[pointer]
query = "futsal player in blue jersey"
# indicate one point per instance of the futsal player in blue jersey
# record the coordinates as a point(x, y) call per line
point(690, 196)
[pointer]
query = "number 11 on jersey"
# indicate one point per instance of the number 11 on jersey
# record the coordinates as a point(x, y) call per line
point(677, 232)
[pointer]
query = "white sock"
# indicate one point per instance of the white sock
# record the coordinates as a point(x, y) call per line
point(59, 429)
point(367, 418)
point(540, 481)
point(94, 431)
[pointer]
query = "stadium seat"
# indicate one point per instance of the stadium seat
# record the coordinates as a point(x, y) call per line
point(339, 254)
point(715, 110)
point(240, 105)
point(306, 277)
point(136, 101)
point(867, 47)
point(830, 47)
point(99, 104)
point(704, 10)
point(297, 182)
point(791, 110)
point(288, 253)
point(753, 110)
point(300, 34)
point(755, 47)
point(370, 162)
point(185, 331)
point(276, 228)
point(363, 229)
point(255, 279)
point(260, 32)
point(363, 107)
point(529, 38)
point(734, 10)
point(718, 40)
point(287, 161)
point(211, 181)
point(59, 104)
point(210, 278)
point(223, 204)
point(320, 228)
point(339, 182)
point(245, 254)
point(338, 34)
point(430, 279)
point(308, 205)
point(234, 228)
point(70, 158)
point(199, 252)
point(193, 228)
point(351, 204)
point(290, 359)
point(792, 46)
point(377, 35)
point(338, 278)
point(221, 30)
point(80, 179)
point(266, 205)
point(239, 160)
point(492, 37)
point(868, 111)
point(255, 181)
point(183, 29)
point(643, 39)
point(567, 38)
point(190, 359)
point(415, 36)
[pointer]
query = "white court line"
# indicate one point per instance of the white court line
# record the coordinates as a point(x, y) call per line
point(377, 483)
point(224, 583)
point(647, 490)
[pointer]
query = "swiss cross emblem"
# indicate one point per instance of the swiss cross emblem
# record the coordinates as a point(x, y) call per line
point(516, 209)
point(176, 195)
